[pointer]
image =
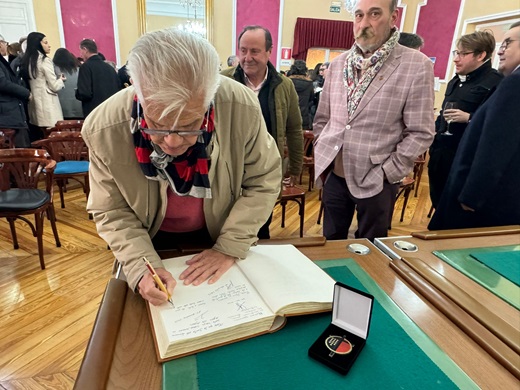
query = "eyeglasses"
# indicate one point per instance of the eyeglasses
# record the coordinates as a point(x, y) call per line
point(180, 133)
point(2, 41)
point(322, 69)
point(461, 54)
point(506, 43)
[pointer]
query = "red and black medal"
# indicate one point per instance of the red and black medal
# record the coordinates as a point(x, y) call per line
point(339, 345)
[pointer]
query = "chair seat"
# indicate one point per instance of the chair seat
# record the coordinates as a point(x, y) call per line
point(297, 195)
point(406, 182)
point(18, 199)
point(71, 167)
point(292, 192)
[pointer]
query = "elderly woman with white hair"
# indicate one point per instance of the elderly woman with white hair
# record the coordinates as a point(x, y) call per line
point(182, 156)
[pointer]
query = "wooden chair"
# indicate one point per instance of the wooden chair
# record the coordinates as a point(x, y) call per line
point(7, 138)
point(67, 125)
point(308, 157)
point(295, 194)
point(24, 167)
point(418, 167)
point(320, 213)
point(71, 154)
point(405, 187)
point(430, 212)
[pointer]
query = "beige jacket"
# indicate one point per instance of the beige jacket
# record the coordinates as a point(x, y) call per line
point(245, 177)
point(44, 107)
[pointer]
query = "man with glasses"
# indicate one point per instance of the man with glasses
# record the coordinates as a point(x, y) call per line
point(483, 187)
point(180, 159)
point(318, 87)
point(474, 81)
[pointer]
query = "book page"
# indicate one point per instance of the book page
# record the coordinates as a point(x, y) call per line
point(208, 308)
point(284, 276)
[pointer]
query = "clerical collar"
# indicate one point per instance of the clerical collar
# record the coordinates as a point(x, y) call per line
point(476, 73)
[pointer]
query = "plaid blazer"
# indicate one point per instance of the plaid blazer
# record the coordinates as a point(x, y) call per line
point(392, 125)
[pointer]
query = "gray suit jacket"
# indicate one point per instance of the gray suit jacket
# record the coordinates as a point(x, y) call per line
point(392, 125)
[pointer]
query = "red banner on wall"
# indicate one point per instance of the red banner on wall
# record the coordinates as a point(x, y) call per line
point(90, 19)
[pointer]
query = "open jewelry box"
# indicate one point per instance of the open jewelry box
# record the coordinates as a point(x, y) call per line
point(341, 343)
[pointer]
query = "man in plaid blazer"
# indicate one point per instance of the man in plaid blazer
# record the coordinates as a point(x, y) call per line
point(375, 117)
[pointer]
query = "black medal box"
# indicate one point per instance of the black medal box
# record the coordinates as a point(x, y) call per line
point(341, 343)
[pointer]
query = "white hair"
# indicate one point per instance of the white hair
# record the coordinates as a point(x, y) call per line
point(169, 67)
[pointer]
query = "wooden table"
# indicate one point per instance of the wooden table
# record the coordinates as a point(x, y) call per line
point(467, 238)
point(491, 321)
point(133, 363)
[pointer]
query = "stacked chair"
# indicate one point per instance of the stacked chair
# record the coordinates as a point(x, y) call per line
point(66, 125)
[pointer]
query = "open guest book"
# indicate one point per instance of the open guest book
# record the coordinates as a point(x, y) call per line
point(252, 298)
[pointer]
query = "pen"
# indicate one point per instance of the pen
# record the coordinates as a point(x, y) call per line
point(157, 280)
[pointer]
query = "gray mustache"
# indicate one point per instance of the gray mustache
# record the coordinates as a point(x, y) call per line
point(365, 33)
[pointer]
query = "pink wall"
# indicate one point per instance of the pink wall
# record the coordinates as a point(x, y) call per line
point(399, 20)
point(437, 21)
point(89, 19)
point(265, 13)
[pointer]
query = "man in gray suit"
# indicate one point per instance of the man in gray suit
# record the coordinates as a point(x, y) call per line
point(375, 117)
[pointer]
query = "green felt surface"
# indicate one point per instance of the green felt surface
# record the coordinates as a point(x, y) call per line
point(506, 264)
point(397, 354)
point(485, 267)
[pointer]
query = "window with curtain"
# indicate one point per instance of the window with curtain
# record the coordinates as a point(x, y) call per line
point(321, 55)
point(321, 33)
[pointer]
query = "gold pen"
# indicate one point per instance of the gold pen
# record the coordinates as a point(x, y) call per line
point(157, 280)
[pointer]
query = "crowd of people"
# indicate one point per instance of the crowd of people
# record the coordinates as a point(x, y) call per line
point(193, 154)
point(37, 91)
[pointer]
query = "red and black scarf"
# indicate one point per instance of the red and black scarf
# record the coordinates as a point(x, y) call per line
point(188, 173)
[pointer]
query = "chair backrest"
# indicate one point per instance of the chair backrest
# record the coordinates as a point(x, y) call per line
point(64, 146)
point(24, 166)
point(7, 138)
point(67, 125)
point(308, 138)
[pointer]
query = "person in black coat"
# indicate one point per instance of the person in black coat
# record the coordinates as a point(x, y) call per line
point(472, 85)
point(12, 98)
point(97, 80)
point(305, 90)
point(483, 187)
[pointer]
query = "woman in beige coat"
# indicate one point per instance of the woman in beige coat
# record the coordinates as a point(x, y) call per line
point(38, 72)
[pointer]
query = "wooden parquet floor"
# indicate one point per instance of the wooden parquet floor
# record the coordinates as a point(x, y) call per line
point(47, 316)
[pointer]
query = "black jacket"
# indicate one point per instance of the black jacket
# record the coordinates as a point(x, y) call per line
point(469, 96)
point(485, 174)
point(12, 97)
point(305, 90)
point(97, 81)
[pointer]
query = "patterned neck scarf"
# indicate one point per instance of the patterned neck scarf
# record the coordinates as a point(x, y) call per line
point(355, 61)
point(187, 174)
